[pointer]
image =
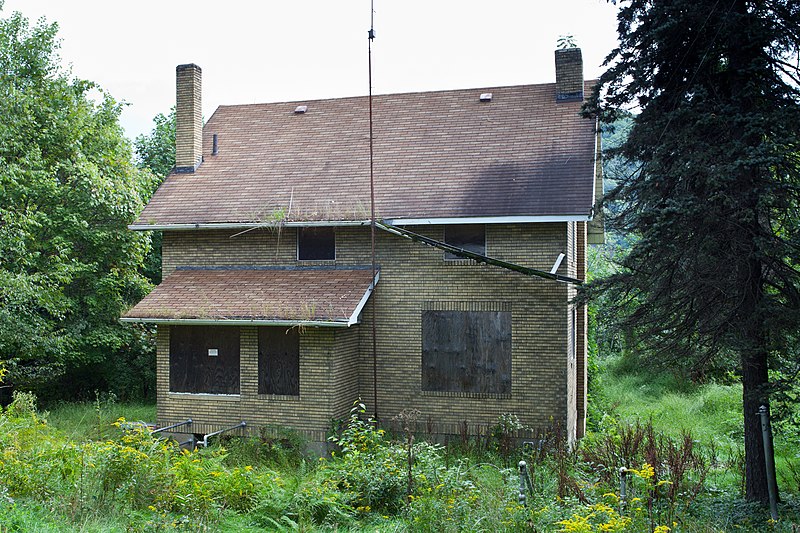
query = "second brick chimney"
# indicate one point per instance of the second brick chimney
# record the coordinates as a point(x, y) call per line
point(188, 118)
point(569, 74)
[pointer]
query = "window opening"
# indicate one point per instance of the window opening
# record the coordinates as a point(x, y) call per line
point(470, 237)
point(278, 361)
point(316, 244)
point(204, 359)
point(466, 351)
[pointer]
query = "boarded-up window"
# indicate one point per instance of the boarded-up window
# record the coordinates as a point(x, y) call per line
point(278, 361)
point(316, 244)
point(466, 351)
point(470, 237)
point(204, 359)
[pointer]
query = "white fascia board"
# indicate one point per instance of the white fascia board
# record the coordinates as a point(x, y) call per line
point(521, 219)
point(486, 220)
point(357, 311)
point(235, 322)
point(241, 225)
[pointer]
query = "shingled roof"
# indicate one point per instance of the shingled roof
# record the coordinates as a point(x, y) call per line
point(438, 155)
point(267, 296)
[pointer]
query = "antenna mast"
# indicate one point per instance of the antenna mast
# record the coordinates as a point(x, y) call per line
point(371, 36)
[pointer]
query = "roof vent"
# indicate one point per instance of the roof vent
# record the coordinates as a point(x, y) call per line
point(299, 110)
point(486, 97)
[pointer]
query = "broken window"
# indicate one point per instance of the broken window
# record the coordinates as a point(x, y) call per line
point(278, 361)
point(466, 351)
point(470, 237)
point(316, 244)
point(204, 359)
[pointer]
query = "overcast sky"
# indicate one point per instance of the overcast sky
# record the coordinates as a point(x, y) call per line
point(271, 51)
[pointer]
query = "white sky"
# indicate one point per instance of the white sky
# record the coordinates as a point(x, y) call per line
point(269, 51)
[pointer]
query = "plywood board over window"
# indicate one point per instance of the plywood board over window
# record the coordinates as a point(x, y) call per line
point(278, 361)
point(466, 351)
point(204, 359)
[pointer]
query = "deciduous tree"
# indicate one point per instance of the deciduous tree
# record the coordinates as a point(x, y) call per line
point(68, 188)
point(156, 152)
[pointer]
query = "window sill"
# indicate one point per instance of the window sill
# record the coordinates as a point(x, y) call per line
point(316, 262)
point(477, 395)
point(205, 396)
point(280, 397)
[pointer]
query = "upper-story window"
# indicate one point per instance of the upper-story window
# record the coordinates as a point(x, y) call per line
point(316, 244)
point(470, 237)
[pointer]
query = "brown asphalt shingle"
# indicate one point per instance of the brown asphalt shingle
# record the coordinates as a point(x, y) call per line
point(437, 154)
point(303, 294)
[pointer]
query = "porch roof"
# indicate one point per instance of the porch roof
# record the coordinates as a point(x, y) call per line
point(312, 296)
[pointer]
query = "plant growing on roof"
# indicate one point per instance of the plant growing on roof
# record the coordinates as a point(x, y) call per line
point(566, 41)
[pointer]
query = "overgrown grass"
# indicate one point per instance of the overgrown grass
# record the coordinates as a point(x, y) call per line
point(94, 420)
point(79, 471)
point(711, 411)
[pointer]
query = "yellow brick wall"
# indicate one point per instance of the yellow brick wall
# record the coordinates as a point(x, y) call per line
point(325, 354)
point(336, 366)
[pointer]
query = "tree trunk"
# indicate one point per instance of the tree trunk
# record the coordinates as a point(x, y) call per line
point(753, 351)
point(752, 340)
point(754, 382)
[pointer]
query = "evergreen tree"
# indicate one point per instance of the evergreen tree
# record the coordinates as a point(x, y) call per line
point(713, 273)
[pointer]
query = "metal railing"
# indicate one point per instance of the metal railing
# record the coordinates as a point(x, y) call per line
point(221, 431)
point(187, 422)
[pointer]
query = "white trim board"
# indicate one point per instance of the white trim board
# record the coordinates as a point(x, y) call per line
point(522, 219)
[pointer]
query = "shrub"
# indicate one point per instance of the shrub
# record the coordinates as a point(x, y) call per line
point(135, 471)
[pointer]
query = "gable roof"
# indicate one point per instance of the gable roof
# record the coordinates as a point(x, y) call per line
point(437, 155)
point(315, 296)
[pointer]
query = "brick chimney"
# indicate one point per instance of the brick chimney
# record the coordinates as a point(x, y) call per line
point(569, 75)
point(188, 118)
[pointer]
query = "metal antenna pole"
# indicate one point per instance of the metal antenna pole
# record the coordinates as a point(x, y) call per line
point(371, 35)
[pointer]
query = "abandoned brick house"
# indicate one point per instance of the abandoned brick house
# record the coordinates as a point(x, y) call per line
point(264, 313)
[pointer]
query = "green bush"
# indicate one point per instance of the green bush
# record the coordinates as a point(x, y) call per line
point(135, 471)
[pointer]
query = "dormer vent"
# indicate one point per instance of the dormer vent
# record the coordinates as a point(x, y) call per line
point(486, 97)
point(299, 110)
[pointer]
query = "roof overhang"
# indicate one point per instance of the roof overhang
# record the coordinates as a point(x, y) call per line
point(240, 322)
point(415, 221)
point(520, 219)
point(246, 225)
